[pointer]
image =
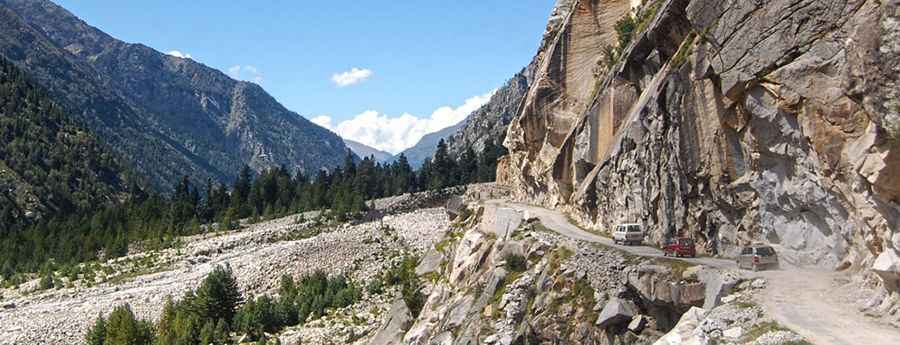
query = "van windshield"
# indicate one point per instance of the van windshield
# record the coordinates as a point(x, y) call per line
point(765, 251)
point(633, 228)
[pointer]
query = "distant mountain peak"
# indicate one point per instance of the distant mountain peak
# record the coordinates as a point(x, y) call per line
point(363, 150)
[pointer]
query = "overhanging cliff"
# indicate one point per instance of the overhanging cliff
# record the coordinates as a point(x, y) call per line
point(727, 121)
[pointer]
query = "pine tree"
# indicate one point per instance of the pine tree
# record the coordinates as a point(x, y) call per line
point(220, 333)
point(241, 192)
point(442, 168)
point(96, 335)
point(218, 295)
point(404, 178)
point(207, 333)
point(487, 168)
point(122, 328)
point(47, 281)
point(165, 327)
point(468, 167)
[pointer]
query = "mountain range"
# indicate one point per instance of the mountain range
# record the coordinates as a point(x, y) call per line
point(488, 123)
point(363, 150)
point(169, 116)
point(424, 149)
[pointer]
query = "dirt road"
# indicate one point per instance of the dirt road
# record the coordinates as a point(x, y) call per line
point(804, 300)
point(808, 302)
point(558, 222)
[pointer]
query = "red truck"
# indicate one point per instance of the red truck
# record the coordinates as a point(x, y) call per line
point(680, 247)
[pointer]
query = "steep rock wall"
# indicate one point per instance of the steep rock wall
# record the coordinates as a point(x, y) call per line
point(727, 121)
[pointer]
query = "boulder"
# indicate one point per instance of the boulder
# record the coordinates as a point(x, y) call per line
point(683, 333)
point(616, 311)
point(719, 283)
point(429, 263)
point(887, 267)
point(501, 221)
point(733, 332)
point(395, 327)
point(456, 208)
point(637, 324)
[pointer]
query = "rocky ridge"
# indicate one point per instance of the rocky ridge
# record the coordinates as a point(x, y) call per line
point(725, 121)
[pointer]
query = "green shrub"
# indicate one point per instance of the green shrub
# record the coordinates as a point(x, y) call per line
point(516, 263)
point(625, 30)
point(121, 328)
point(403, 274)
point(298, 302)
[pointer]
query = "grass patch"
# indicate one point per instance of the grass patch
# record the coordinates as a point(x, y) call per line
point(129, 276)
point(646, 16)
point(684, 50)
point(584, 294)
point(678, 266)
point(745, 305)
point(450, 239)
point(762, 328)
point(501, 288)
point(558, 256)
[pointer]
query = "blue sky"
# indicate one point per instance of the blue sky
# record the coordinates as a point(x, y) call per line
point(416, 56)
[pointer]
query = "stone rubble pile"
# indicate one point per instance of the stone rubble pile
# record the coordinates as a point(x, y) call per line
point(738, 320)
point(258, 254)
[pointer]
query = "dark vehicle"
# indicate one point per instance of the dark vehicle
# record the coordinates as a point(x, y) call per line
point(680, 247)
point(757, 257)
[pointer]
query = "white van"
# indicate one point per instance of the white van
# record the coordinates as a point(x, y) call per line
point(628, 234)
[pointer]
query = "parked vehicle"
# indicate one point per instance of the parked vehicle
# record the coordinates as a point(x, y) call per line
point(628, 234)
point(757, 257)
point(680, 247)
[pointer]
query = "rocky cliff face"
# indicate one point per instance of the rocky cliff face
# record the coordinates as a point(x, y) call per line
point(555, 291)
point(500, 277)
point(170, 116)
point(727, 121)
point(491, 120)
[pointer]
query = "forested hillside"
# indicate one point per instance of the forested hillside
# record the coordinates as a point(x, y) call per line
point(48, 164)
point(156, 220)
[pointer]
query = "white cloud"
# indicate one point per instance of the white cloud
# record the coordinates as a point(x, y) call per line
point(178, 53)
point(246, 72)
point(353, 76)
point(397, 133)
point(322, 120)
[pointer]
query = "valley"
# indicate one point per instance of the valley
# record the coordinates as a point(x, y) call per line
point(298, 244)
point(149, 198)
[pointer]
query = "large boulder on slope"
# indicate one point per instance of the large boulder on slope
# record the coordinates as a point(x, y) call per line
point(616, 311)
point(887, 267)
point(398, 322)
